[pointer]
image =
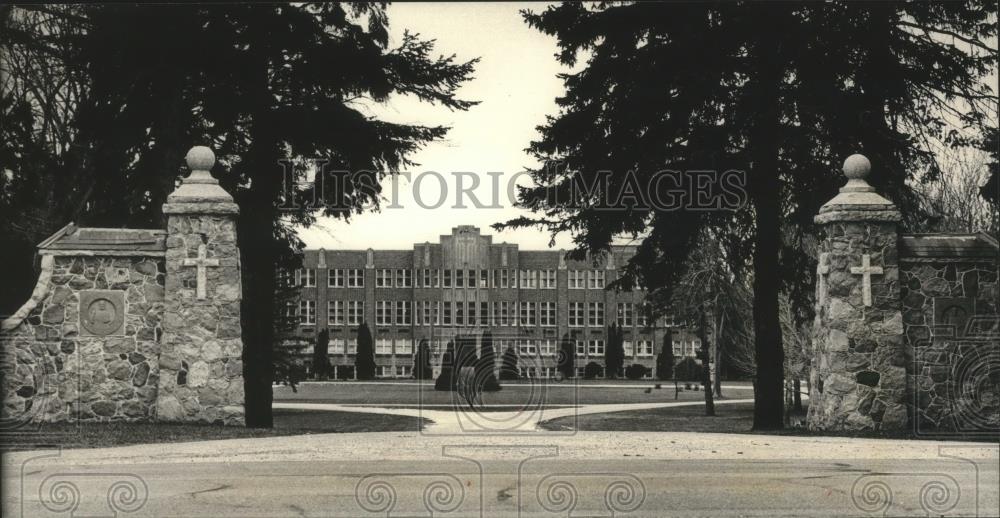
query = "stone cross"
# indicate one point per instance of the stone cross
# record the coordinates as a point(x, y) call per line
point(202, 262)
point(822, 269)
point(865, 271)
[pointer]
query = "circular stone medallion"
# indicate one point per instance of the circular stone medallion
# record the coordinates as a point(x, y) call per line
point(101, 317)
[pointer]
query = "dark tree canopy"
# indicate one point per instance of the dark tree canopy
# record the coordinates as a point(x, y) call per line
point(713, 86)
point(265, 85)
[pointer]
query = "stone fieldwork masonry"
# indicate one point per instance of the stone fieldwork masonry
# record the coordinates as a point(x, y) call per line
point(906, 325)
point(134, 325)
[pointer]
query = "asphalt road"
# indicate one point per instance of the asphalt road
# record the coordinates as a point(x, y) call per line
point(583, 474)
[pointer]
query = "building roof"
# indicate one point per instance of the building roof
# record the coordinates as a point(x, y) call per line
point(128, 240)
point(949, 246)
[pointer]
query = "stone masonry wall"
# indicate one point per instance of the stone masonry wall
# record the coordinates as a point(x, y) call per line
point(201, 365)
point(950, 318)
point(54, 370)
point(859, 362)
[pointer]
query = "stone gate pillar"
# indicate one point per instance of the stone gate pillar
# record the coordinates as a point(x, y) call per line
point(201, 368)
point(858, 373)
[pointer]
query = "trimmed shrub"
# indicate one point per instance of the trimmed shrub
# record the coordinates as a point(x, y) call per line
point(688, 370)
point(509, 370)
point(636, 371)
point(593, 370)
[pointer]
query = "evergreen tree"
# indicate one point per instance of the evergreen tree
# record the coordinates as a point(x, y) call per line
point(422, 369)
point(712, 86)
point(509, 370)
point(465, 347)
point(321, 352)
point(567, 357)
point(665, 360)
point(364, 359)
point(614, 354)
point(487, 366)
point(446, 380)
point(266, 86)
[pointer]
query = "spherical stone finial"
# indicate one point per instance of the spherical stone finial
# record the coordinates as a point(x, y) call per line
point(200, 158)
point(857, 167)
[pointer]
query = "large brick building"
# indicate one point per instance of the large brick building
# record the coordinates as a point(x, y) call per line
point(466, 284)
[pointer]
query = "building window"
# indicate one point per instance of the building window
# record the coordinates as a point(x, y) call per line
point(548, 279)
point(447, 312)
point(627, 346)
point(595, 314)
point(547, 347)
point(355, 312)
point(404, 346)
point(625, 314)
point(459, 278)
point(529, 279)
point(484, 314)
point(526, 347)
point(335, 312)
point(355, 278)
point(577, 279)
point(383, 346)
point(471, 314)
point(336, 346)
point(428, 277)
point(383, 312)
point(402, 371)
point(576, 314)
point(305, 277)
point(404, 278)
point(471, 279)
point(547, 314)
point(307, 312)
point(595, 348)
point(581, 348)
point(437, 313)
point(497, 320)
point(695, 345)
point(642, 316)
point(384, 371)
point(528, 313)
point(459, 313)
point(597, 279)
point(383, 278)
point(504, 282)
point(427, 313)
point(645, 347)
point(484, 278)
point(677, 347)
point(335, 278)
point(403, 317)
point(352, 346)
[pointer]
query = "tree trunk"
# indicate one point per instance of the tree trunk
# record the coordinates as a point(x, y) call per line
point(765, 191)
point(705, 373)
point(717, 352)
point(797, 403)
point(259, 255)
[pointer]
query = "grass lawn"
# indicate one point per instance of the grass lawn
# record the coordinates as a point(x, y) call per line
point(286, 422)
point(513, 395)
point(734, 418)
point(728, 418)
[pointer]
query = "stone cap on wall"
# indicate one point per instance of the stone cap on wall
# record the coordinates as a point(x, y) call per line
point(200, 193)
point(975, 247)
point(857, 200)
point(73, 240)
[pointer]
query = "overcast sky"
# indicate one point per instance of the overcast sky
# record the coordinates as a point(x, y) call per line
point(516, 84)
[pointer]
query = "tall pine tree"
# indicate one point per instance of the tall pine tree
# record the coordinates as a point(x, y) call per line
point(714, 86)
point(267, 86)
